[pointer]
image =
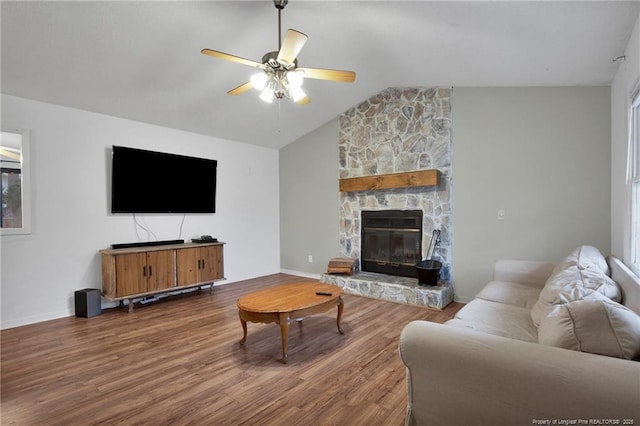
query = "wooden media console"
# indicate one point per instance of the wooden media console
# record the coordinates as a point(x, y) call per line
point(136, 272)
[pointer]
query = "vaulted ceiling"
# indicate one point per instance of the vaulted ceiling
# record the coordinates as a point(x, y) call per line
point(142, 61)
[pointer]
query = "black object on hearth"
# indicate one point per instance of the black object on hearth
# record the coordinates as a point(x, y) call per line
point(428, 270)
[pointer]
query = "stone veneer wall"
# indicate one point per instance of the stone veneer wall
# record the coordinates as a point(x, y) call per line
point(398, 130)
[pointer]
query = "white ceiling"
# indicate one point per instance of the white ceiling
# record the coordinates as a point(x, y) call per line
point(142, 61)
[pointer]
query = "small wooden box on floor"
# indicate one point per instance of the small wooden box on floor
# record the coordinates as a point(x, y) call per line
point(342, 265)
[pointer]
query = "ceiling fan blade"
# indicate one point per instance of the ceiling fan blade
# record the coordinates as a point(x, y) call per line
point(291, 46)
point(241, 89)
point(303, 101)
point(333, 75)
point(232, 58)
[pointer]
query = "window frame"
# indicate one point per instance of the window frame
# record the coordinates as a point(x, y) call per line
point(25, 171)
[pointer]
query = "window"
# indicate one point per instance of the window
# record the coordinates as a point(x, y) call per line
point(14, 173)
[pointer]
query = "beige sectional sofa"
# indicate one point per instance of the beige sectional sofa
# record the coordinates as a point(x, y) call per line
point(542, 343)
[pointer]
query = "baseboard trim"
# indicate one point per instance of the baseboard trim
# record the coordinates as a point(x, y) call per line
point(300, 274)
point(105, 304)
point(462, 299)
point(35, 319)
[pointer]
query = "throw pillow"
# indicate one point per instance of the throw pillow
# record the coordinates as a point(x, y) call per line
point(596, 325)
point(570, 284)
point(586, 257)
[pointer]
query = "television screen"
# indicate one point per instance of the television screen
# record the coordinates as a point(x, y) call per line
point(156, 182)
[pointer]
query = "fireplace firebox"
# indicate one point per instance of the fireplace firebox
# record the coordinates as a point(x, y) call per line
point(391, 241)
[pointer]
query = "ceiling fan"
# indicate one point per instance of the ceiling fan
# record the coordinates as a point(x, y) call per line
point(280, 77)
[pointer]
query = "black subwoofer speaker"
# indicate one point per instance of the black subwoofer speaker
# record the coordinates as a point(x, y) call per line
point(88, 302)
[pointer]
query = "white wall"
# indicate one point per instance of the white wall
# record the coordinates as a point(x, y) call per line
point(70, 159)
point(627, 77)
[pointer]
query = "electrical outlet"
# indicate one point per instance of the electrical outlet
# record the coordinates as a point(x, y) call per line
point(501, 214)
point(310, 258)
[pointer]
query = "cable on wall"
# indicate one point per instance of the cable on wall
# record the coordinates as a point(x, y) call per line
point(145, 228)
point(184, 215)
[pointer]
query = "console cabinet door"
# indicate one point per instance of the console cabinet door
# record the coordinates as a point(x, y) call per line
point(144, 272)
point(131, 273)
point(211, 263)
point(199, 265)
point(161, 270)
point(188, 266)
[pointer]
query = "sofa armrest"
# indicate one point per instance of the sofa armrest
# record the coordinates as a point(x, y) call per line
point(523, 271)
point(459, 376)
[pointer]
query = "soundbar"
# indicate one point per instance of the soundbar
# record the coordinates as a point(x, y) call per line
point(147, 244)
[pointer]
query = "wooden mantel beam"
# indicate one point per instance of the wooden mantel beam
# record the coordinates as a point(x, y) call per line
point(392, 180)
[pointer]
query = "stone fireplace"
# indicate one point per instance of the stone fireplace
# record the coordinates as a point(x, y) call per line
point(391, 241)
point(400, 130)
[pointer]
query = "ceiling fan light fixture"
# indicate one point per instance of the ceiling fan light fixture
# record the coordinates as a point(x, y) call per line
point(259, 80)
point(297, 94)
point(295, 78)
point(267, 95)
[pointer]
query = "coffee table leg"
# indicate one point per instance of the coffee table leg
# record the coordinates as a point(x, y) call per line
point(244, 329)
point(340, 307)
point(284, 331)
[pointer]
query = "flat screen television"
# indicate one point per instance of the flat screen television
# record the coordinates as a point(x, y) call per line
point(157, 182)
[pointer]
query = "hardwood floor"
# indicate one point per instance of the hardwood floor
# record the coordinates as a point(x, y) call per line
point(179, 362)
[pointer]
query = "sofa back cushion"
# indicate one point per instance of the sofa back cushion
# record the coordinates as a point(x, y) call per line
point(594, 324)
point(583, 272)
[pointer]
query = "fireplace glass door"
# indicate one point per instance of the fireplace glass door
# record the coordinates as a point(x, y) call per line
point(391, 241)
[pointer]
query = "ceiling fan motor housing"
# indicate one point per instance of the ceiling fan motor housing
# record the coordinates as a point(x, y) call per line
point(271, 60)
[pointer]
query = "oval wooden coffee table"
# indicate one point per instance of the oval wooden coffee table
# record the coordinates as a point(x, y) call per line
point(288, 302)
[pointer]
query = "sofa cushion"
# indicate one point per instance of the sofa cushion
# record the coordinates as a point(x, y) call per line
point(496, 318)
point(570, 283)
point(595, 325)
point(513, 332)
point(516, 294)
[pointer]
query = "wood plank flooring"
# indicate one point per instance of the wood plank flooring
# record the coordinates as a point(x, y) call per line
point(178, 361)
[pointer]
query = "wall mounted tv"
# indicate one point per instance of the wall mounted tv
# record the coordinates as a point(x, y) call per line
point(157, 182)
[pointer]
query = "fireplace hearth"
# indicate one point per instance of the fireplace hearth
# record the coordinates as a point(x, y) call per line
point(391, 241)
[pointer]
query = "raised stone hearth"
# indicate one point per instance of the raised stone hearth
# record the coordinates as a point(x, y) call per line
point(393, 288)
